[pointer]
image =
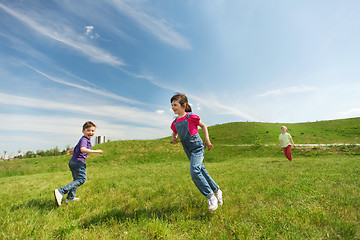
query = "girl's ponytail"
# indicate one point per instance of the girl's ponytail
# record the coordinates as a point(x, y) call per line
point(188, 108)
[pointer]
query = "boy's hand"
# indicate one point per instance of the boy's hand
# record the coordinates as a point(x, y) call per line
point(208, 145)
point(99, 151)
point(69, 152)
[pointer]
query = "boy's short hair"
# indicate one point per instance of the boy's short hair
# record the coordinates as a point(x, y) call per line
point(284, 127)
point(88, 124)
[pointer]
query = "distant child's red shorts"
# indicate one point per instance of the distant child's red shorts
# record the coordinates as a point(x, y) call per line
point(287, 152)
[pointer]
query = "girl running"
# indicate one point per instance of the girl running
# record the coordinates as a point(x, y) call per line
point(186, 127)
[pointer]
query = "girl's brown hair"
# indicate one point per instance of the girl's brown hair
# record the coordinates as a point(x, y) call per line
point(88, 124)
point(182, 99)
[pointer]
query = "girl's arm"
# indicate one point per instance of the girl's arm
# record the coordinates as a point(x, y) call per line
point(206, 134)
point(174, 138)
point(85, 150)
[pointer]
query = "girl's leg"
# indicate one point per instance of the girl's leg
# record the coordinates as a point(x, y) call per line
point(208, 178)
point(197, 175)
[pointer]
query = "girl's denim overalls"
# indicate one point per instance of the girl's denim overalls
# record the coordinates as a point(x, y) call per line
point(195, 150)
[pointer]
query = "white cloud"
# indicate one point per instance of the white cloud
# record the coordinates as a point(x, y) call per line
point(353, 112)
point(160, 111)
point(95, 35)
point(160, 28)
point(88, 29)
point(198, 107)
point(37, 132)
point(286, 91)
point(65, 35)
point(115, 113)
point(222, 108)
point(86, 88)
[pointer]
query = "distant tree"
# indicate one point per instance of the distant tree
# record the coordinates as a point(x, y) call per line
point(30, 154)
point(56, 150)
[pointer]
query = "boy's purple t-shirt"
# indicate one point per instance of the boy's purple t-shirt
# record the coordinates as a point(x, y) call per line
point(78, 156)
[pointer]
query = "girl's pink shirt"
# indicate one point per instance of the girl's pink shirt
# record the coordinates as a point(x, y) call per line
point(193, 123)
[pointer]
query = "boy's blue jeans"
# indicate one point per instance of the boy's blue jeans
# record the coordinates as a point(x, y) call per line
point(78, 170)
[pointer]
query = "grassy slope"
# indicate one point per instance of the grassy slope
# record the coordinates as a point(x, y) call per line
point(335, 131)
point(142, 189)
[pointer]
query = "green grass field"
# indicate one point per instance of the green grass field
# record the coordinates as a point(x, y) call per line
point(143, 190)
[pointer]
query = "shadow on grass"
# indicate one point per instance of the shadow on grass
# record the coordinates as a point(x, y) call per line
point(276, 161)
point(41, 204)
point(169, 214)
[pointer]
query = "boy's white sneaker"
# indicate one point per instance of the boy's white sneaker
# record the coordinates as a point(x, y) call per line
point(58, 197)
point(218, 195)
point(74, 199)
point(213, 203)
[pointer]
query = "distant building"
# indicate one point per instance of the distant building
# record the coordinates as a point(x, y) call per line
point(100, 139)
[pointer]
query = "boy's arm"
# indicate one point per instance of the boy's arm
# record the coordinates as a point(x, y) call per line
point(174, 138)
point(69, 152)
point(206, 134)
point(86, 150)
point(291, 140)
point(280, 143)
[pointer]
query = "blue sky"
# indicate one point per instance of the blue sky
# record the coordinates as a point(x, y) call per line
point(118, 63)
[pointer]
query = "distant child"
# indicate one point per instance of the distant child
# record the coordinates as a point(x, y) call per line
point(285, 142)
point(186, 127)
point(77, 164)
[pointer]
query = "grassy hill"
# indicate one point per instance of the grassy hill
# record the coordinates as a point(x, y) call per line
point(222, 136)
point(143, 189)
point(329, 132)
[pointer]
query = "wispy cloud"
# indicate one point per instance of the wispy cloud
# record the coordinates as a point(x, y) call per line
point(65, 35)
point(353, 112)
point(160, 28)
point(86, 88)
point(37, 131)
point(220, 107)
point(286, 91)
point(70, 125)
point(21, 46)
point(126, 114)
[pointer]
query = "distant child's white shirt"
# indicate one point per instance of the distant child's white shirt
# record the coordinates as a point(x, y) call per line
point(285, 138)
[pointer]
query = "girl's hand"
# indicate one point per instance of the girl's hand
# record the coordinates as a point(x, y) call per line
point(174, 140)
point(69, 152)
point(208, 145)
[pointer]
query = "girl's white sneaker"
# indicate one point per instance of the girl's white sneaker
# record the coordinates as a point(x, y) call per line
point(69, 200)
point(218, 195)
point(213, 203)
